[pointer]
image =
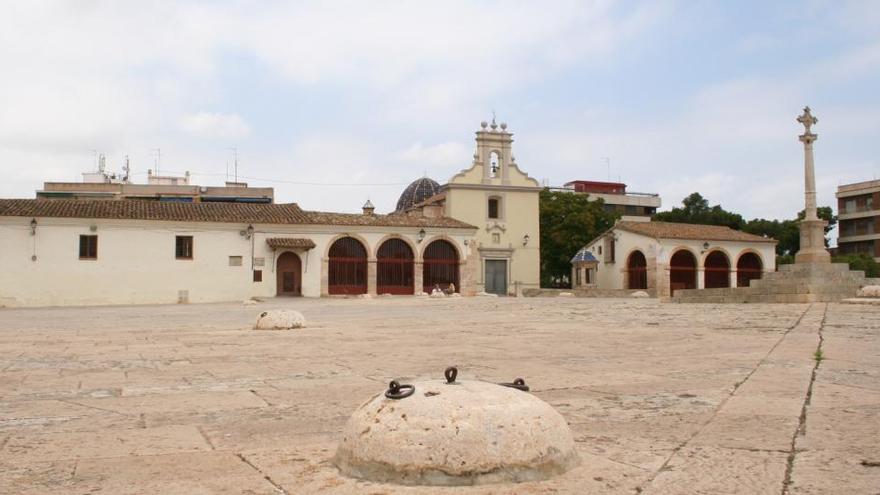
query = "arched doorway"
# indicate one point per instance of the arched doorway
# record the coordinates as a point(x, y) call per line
point(440, 266)
point(347, 267)
point(288, 274)
point(394, 268)
point(637, 271)
point(716, 270)
point(682, 271)
point(748, 268)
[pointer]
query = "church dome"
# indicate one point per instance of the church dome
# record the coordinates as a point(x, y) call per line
point(418, 191)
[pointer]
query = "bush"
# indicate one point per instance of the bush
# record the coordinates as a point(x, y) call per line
point(861, 261)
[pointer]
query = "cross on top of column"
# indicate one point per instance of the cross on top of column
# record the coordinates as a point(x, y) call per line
point(808, 120)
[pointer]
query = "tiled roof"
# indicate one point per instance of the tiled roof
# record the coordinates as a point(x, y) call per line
point(206, 212)
point(584, 255)
point(669, 230)
point(392, 220)
point(435, 199)
point(290, 242)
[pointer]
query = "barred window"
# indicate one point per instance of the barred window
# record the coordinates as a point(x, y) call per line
point(88, 247)
point(183, 247)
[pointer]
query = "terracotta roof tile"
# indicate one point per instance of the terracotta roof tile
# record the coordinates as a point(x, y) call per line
point(392, 220)
point(207, 212)
point(670, 230)
point(290, 242)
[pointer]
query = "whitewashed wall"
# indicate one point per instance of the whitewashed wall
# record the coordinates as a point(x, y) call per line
point(612, 275)
point(136, 260)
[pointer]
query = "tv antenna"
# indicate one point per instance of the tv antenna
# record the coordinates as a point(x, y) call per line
point(234, 163)
point(158, 160)
point(607, 160)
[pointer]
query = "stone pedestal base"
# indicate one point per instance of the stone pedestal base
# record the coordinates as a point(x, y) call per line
point(812, 242)
point(796, 283)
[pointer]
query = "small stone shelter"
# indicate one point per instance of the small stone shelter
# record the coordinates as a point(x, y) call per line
point(662, 257)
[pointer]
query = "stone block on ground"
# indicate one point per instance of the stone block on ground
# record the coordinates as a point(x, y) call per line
point(869, 291)
point(640, 294)
point(280, 319)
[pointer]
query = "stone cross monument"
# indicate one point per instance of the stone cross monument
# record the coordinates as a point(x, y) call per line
point(812, 227)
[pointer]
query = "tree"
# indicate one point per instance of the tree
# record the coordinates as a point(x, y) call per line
point(568, 221)
point(695, 209)
point(862, 261)
point(787, 232)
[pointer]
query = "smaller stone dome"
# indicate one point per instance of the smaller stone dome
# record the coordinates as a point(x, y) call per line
point(455, 433)
point(418, 191)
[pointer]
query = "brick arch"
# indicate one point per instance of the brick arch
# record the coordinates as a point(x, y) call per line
point(716, 269)
point(395, 268)
point(746, 272)
point(683, 265)
point(360, 239)
point(347, 271)
point(636, 273)
point(412, 245)
point(443, 266)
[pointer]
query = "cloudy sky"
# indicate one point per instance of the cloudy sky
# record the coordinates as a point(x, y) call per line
point(333, 103)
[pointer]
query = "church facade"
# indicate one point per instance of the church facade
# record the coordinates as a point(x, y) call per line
point(501, 200)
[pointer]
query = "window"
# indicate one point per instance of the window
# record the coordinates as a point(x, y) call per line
point(850, 206)
point(258, 275)
point(88, 247)
point(235, 261)
point(183, 247)
point(493, 208)
point(577, 277)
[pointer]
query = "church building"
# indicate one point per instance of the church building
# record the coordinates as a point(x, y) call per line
point(479, 232)
point(501, 201)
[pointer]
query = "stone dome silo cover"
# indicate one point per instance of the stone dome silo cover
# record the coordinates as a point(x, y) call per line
point(459, 433)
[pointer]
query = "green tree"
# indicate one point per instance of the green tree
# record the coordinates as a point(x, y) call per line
point(862, 261)
point(568, 221)
point(787, 232)
point(695, 209)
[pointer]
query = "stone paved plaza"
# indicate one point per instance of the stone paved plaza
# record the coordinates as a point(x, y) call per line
point(662, 398)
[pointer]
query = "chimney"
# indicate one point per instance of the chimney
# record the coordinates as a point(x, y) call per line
point(369, 208)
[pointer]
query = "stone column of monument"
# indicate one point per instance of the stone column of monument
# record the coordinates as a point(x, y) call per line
point(812, 227)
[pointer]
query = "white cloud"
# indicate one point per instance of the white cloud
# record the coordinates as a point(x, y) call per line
point(215, 125)
point(449, 155)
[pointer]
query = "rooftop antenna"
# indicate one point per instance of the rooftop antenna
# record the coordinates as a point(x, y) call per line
point(607, 160)
point(234, 163)
point(126, 167)
point(158, 159)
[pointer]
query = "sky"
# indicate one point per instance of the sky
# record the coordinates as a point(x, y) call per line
point(336, 102)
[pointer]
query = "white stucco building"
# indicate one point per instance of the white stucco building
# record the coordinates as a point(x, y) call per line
point(142, 245)
point(85, 252)
point(661, 257)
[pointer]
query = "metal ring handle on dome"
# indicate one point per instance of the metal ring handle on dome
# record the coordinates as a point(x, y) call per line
point(518, 384)
point(399, 391)
point(451, 373)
